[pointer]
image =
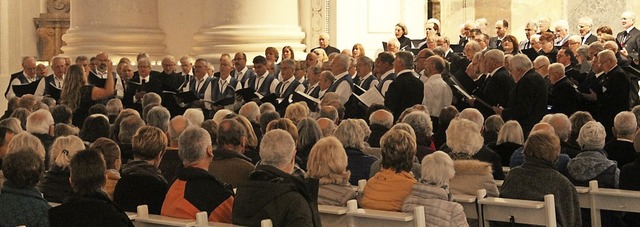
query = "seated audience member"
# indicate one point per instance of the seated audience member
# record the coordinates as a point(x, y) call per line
point(432, 192)
point(296, 112)
point(351, 136)
point(251, 144)
point(98, 109)
point(562, 127)
point(485, 153)
point(195, 189)
point(20, 201)
point(195, 116)
point(327, 126)
point(229, 163)
point(89, 205)
point(292, 129)
point(537, 177)
point(171, 160)
point(592, 164)
point(111, 153)
point(420, 122)
point(61, 114)
point(447, 114)
point(491, 129)
point(464, 140)
point(624, 128)
point(629, 181)
point(115, 127)
point(141, 182)
point(114, 107)
point(17, 141)
point(158, 117)
point(329, 112)
point(55, 184)
point(510, 138)
point(415, 169)
point(251, 111)
point(308, 135)
point(265, 118)
point(272, 192)
point(127, 129)
point(40, 124)
point(95, 126)
point(388, 188)
point(62, 129)
point(21, 114)
point(517, 158)
point(578, 119)
point(380, 121)
point(328, 163)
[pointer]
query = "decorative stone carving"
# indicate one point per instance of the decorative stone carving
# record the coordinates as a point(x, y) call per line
point(49, 29)
point(58, 6)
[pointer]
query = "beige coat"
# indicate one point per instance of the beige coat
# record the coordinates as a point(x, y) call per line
point(472, 175)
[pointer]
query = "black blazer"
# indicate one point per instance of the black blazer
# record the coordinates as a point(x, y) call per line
point(592, 38)
point(614, 97)
point(493, 43)
point(632, 44)
point(527, 103)
point(154, 84)
point(495, 91)
point(563, 97)
point(404, 92)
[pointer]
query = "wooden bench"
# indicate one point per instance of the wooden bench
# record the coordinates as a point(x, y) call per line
point(374, 218)
point(518, 211)
point(470, 203)
point(143, 219)
point(584, 197)
point(611, 199)
point(333, 215)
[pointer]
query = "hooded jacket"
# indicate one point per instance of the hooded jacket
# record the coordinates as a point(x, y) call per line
point(593, 165)
point(270, 193)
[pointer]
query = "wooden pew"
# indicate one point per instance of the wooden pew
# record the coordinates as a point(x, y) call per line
point(143, 219)
point(518, 211)
point(333, 215)
point(374, 218)
point(611, 199)
point(584, 197)
point(470, 203)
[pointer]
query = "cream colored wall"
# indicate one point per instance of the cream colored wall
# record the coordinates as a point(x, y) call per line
point(179, 25)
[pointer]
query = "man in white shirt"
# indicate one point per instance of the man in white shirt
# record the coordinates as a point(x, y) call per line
point(289, 84)
point(28, 75)
point(342, 85)
point(186, 65)
point(364, 67)
point(384, 71)
point(242, 73)
point(437, 93)
point(222, 87)
point(313, 77)
point(325, 81)
point(56, 79)
point(263, 83)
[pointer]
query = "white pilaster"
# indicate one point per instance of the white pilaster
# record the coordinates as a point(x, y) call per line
point(250, 27)
point(122, 28)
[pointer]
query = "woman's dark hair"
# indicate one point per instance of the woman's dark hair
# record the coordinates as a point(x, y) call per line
point(23, 168)
point(88, 172)
point(94, 127)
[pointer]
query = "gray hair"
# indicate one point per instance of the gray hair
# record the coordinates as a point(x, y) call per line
point(114, 106)
point(625, 124)
point(230, 132)
point(366, 61)
point(39, 122)
point(381, 117)
point(151, 97)
point(342, 60)
point(251, 111)
point(420, 122)
point(534, 24)
point(473, 115)
point(159, 117)
point(562, 24)
point(463, 136)
point(350, 134)
point(494, 56)
point(195, 116)
point(556, 68)
point(128, 128)
point(438, 168)
point(327, 126)
point(267, 106)
point(193, 143)
point(583, 51)
point(12, 124)
point(277, 148)
point(308, 133)
point(26, 140)
point(328, 112)
point(592, 136)
point(493, 123)
point(406, 58)
point(586, 20)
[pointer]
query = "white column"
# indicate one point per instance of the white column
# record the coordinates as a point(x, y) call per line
point(122, 28)
point(249, 26)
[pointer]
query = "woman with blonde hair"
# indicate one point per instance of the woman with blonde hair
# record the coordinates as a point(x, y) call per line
point(296, 112)
point(328, 163)
point(464, 140)
point(351, 135)
point(78, 95)
point(510, 138)
point(21, 141)
point(322, 56)
point(287, 53)
point(432, 192)
point(113, 161)
point(55, 185)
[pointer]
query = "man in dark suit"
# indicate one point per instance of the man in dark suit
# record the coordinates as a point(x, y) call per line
point(323, 40)
point(527, 102)
point(406, 90)
point(567, 58)
point(140, 84)
point(621, 149)
point(502, 26)
point(497, 86)
point(242, 72)
point(529, 30)
point(26, 76)
point(629, 39)
point(563, 97)
point(584, 27)
point(615, 90)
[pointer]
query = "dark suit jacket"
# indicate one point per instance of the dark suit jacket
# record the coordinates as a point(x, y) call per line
point(457, 62)
point(527, 103)
point(632, 44)
point(329, 49)
point(155, 85)
point(13, 76)
point(495, 91)
point(563, 97)
point(493, 43)
point(404, 92)
point(592, 38)
point(614, 97)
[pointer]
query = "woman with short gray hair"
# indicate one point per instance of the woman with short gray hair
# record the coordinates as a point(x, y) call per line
point(351, 136)
point(592, 162)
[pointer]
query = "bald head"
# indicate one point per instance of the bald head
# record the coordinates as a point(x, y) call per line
point(326, 126)
point(381, 117)
point(176, 126)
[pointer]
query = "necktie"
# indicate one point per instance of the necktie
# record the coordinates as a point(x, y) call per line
point(222, 83)
point(258, 83)
point(283, 88)
point(198, 86)
point(624, 38)
point(528, 45)
point(498, 43)
point(144, 81)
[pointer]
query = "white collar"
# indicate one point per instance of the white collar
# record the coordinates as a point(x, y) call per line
point(629, 29)
point(386, 74)
point(366, 77)
point(341, 75)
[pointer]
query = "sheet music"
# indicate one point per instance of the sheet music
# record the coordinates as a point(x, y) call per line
point(371, 96)
point(462, 91)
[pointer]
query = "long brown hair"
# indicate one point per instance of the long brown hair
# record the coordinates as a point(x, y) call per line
point(73, 82)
